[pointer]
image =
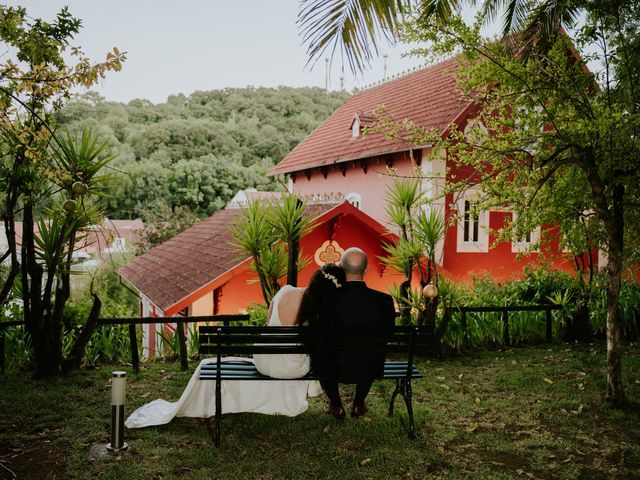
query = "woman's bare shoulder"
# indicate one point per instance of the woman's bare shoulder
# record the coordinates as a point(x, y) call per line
point(289, 305)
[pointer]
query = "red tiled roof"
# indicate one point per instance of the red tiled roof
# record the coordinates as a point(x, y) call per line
point(192, 259)
point(428, 97)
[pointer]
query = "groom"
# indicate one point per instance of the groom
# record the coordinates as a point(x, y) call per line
point(358, 307)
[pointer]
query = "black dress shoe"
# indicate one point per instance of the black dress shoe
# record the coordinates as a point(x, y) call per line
point(337, 412)
point(358, 411)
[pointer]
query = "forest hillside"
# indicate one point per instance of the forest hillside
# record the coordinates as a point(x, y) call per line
point(197, 151)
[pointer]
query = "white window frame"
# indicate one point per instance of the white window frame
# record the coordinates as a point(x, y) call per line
point(477, 228)
point(355, 127)
point(523, 245)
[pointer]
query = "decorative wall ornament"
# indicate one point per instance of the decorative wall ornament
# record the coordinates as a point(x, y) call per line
point(329, 252)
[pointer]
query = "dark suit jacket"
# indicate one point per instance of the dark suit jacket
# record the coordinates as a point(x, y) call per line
point(359, 307)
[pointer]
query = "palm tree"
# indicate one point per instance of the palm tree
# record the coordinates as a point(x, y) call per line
point(356, 28)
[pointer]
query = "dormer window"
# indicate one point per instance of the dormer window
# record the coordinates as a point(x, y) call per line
point(355, 126)
point(359, 122)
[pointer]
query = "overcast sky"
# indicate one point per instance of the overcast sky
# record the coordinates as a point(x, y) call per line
point(188, 45)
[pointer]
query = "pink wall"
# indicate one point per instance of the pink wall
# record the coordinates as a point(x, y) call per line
point(372, 185)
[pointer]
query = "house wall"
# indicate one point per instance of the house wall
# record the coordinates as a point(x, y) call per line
point(500, 261)
point(371, 186)
point(237, 294)
point(203, 306)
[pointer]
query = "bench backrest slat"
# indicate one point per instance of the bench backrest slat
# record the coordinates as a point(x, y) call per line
point(288, 340)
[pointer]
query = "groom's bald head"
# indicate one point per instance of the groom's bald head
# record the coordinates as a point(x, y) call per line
point(354, 263)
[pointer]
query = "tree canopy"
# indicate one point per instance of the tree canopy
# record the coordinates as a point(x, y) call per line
point(197, 151)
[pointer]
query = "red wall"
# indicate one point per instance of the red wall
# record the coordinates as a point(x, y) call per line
point(500, 263)
point(238, 294)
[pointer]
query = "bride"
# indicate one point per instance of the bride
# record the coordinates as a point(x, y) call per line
point(290, 306)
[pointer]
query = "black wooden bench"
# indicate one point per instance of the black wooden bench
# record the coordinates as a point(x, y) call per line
point(221, 341)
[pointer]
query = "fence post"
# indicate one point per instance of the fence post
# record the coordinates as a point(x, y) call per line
point(548, 317)
point(463, 319)
point(135, 358)
point(505, 326)
point(183, 345)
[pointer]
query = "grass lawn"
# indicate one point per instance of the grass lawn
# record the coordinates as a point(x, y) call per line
point(531, 412)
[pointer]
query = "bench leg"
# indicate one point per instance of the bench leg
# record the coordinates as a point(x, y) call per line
point(408, 396)
point(218, 413)
point(393, 397)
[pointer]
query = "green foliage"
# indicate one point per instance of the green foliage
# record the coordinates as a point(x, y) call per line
point(420, 228)
point(108, 344)
point(164, 223)
point(117, 300)
point(270, 234)
point(258, 314)
point(539, 286)
point(199, 150)
point(49, 180)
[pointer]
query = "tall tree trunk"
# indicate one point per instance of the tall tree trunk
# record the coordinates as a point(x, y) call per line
point(292, 266)
point(34, 314)
point(405, 307)
point(264, 284)
point(294, 250)
point(10, 232)
point(615, 232)
point(612, 217)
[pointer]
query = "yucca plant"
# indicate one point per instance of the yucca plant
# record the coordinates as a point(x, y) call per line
point(270, 234)
point(420, 229)
point(72, 183)
point(290, 225)
point(254, 236)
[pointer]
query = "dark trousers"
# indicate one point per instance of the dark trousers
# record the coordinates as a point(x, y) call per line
point(330, 388)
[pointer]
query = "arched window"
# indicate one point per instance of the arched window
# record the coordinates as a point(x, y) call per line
point(354, 199)
point(473, 224)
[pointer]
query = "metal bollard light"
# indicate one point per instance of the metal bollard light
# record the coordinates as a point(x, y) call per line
point(118, 396)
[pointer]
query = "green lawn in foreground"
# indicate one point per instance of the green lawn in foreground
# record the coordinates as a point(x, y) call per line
point(533, 412)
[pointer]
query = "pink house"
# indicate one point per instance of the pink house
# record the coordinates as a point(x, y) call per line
point(344, 177)
point(337, 159)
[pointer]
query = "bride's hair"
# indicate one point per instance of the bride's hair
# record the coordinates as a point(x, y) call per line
point(318, 300)
point(317, 310)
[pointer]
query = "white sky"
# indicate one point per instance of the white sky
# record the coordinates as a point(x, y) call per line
point(182, 46)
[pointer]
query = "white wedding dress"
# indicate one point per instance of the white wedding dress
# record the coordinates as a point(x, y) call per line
point(268, 397)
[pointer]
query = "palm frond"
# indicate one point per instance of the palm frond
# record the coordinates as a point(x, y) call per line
point(547, 19)
point(430, 229)
point(288, 220)
point(440, 9)
point(253, 234)
point(353, 27)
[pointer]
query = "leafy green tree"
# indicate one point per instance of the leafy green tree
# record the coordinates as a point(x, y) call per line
point(550, 128)
point(271, 234)
point(218, 142)
point(290, 225)
point(592, 121)
point(41, 167)
point(254, 236)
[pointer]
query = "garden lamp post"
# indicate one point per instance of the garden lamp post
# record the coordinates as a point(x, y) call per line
point(118, 396)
